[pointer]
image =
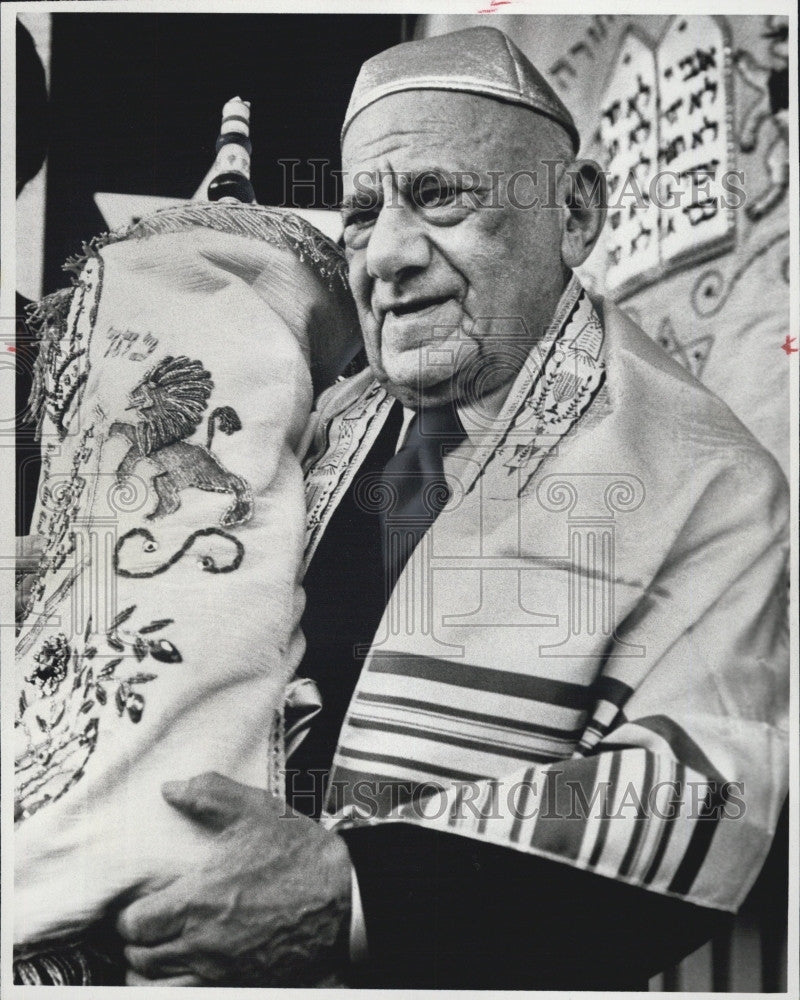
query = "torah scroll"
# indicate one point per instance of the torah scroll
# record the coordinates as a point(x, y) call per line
point(174, 384)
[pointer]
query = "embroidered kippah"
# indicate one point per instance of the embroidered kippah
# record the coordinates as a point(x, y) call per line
point(480, 61)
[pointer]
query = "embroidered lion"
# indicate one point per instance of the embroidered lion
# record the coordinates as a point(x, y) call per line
point(170, 402)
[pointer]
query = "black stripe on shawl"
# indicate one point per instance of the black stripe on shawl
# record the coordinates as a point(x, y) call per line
point(558, 829)
point(406, 762)
point(500, 721)
point(608, 802)
point(640, 823)
point(613, 690)
point(681, 744)
point(491, 799)
point(465, 675)
point(669, 826)
point(515, 752)
point(700, 842)
point(516, 826)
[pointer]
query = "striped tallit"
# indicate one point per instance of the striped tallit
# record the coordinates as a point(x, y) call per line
point(586, 656)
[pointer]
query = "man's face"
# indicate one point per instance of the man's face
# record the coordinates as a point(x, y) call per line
point(453, 278)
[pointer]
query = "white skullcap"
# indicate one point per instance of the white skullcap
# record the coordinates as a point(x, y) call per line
point(473, 61)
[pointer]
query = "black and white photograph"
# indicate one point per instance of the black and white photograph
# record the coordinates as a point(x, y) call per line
point(400, 455)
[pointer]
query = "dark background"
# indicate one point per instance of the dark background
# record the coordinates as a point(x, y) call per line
point(136, 102)
point(134, 108)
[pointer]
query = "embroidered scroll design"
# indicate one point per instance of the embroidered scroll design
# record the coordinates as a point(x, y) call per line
point(61, 500)
point(225, 557)
point(569, 377)
point(170, 401)
point(63, 323)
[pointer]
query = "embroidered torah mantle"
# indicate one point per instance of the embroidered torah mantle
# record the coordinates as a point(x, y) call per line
point(174, 385)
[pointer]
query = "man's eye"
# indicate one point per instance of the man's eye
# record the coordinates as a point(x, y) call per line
point(357, 227)
point(433, 191)
point(360, 219)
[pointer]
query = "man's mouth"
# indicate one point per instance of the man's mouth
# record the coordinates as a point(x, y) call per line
point(416, 307)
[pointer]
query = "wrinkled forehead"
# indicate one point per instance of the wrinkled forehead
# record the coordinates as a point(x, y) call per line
point(418, 130)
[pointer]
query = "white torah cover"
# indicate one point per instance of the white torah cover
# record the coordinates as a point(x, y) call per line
point(174, 385)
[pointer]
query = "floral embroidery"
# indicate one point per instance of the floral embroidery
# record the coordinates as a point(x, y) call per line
point(59, 726)
point(51, 668)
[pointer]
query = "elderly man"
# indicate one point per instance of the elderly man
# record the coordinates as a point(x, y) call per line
point(545, 599)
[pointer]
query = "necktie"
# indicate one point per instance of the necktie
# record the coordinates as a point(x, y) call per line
point(415, 486)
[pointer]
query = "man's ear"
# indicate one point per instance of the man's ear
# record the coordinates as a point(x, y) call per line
point(584, 197)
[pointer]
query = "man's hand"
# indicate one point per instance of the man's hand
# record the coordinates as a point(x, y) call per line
point(270, 907)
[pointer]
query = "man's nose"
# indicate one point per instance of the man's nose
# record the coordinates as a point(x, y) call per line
point(398, 243)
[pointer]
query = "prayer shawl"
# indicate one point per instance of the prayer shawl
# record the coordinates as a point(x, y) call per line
point(174, 385)
point(586, 657)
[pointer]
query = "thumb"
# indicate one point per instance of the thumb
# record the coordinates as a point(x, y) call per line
point(211, 799)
